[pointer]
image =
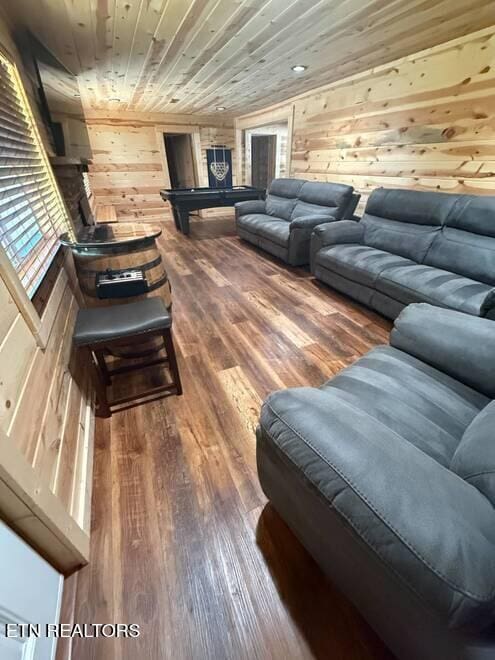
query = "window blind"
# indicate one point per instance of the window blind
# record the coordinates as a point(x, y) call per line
point(32, 213)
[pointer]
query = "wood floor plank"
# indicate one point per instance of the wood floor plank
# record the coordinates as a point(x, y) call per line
point(212, 273)
point(279, 321)
point(240, 390)
point(183, 541)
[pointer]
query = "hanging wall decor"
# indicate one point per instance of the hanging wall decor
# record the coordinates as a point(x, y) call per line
point(219, 160)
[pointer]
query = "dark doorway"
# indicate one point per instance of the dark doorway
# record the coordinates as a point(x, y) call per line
point(263, 160)
point(178, 149)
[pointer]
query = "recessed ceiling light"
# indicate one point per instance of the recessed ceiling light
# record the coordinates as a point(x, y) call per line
point(299, 68)
point(220, 107)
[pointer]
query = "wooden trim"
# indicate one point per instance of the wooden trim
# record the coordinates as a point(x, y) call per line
point(51, 528)
point(264, 118)
point(40, 327)
point(51, 309)
point(19, 295)
point(67, 615)
point(42, 294)
point(194, 132)
point(240, 154)
point(290, 130)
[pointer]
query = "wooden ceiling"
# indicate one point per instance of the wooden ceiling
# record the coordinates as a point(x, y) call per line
point(190, 56)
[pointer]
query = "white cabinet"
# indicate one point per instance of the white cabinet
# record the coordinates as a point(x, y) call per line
point(30, 593)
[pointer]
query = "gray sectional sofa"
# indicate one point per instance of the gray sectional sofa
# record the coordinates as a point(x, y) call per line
point(386, 474)
point(282, 224)
point(412, 246)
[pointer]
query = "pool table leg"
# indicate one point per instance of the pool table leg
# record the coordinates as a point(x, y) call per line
point(184, 222)
point(176, 218)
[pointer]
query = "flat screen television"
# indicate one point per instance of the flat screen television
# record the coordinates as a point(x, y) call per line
point(57, 94)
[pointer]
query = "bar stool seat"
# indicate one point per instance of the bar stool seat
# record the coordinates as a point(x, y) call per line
point(95, 324)
point(101, 331)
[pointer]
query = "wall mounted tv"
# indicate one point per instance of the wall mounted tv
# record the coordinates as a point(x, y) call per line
point(58, 98)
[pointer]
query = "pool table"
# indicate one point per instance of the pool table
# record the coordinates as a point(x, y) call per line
point(185, 200)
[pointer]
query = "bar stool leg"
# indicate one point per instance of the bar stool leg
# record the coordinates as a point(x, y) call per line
point(172, 360)
point(99, 385)
point(100, 359)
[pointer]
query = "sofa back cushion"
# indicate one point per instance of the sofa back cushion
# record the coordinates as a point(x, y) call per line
point(466, 244)
point(282, 197)
point(317, 198)
point(411, 206)
point(474, 458)
point(405, 222)
point(404, 239)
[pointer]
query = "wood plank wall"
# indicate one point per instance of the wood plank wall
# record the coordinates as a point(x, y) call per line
point(426, 122)
point(45, 400)
point(128, 168)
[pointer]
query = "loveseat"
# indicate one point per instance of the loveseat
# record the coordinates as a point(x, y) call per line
point(282, 224)
point(386, 473)
point(413, 246)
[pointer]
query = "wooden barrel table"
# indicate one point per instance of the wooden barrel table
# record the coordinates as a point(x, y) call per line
point(112, 260)
point(108, 254)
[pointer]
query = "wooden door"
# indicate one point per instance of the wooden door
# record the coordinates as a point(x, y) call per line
point(30, 593)
point(263, 159)
point(178, 148)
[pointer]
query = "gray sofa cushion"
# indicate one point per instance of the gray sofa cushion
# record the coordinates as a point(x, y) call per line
point(282, 197)
point(473, 213)
point(465, 253)
point(251, 221)
point(359, 263)
point(288, 188)
point(277, 231)
point(460, 345)
point(413, 283)
point(411, 241)
point(418, 402)
point(302, 209)
point(474, 458)
point(411, 206)
point(279, 207)
point(319, 198)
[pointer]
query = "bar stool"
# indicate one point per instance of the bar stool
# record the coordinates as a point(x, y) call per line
point(100, 331)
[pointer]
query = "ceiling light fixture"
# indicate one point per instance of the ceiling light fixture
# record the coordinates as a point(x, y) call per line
point(220, 108)
point(299, 68)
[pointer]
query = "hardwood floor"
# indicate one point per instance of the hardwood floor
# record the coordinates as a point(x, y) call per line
point(183, 541)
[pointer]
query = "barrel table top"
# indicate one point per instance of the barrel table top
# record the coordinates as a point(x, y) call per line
point(110, 235)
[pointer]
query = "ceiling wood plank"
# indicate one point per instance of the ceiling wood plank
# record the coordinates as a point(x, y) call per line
point(191, 56)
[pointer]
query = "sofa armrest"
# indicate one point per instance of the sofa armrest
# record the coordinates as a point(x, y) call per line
point(458, 344)
point(420, 523)
point(343, 231)
point(488, 306)
point(311, 221)
point(250, 206)
point(351, 207)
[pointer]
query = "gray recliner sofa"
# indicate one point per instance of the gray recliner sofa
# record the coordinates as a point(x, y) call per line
point(386, 473)
point(413, 246)
point(282, 224)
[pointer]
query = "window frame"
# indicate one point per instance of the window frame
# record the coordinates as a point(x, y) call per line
point(40, 325)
